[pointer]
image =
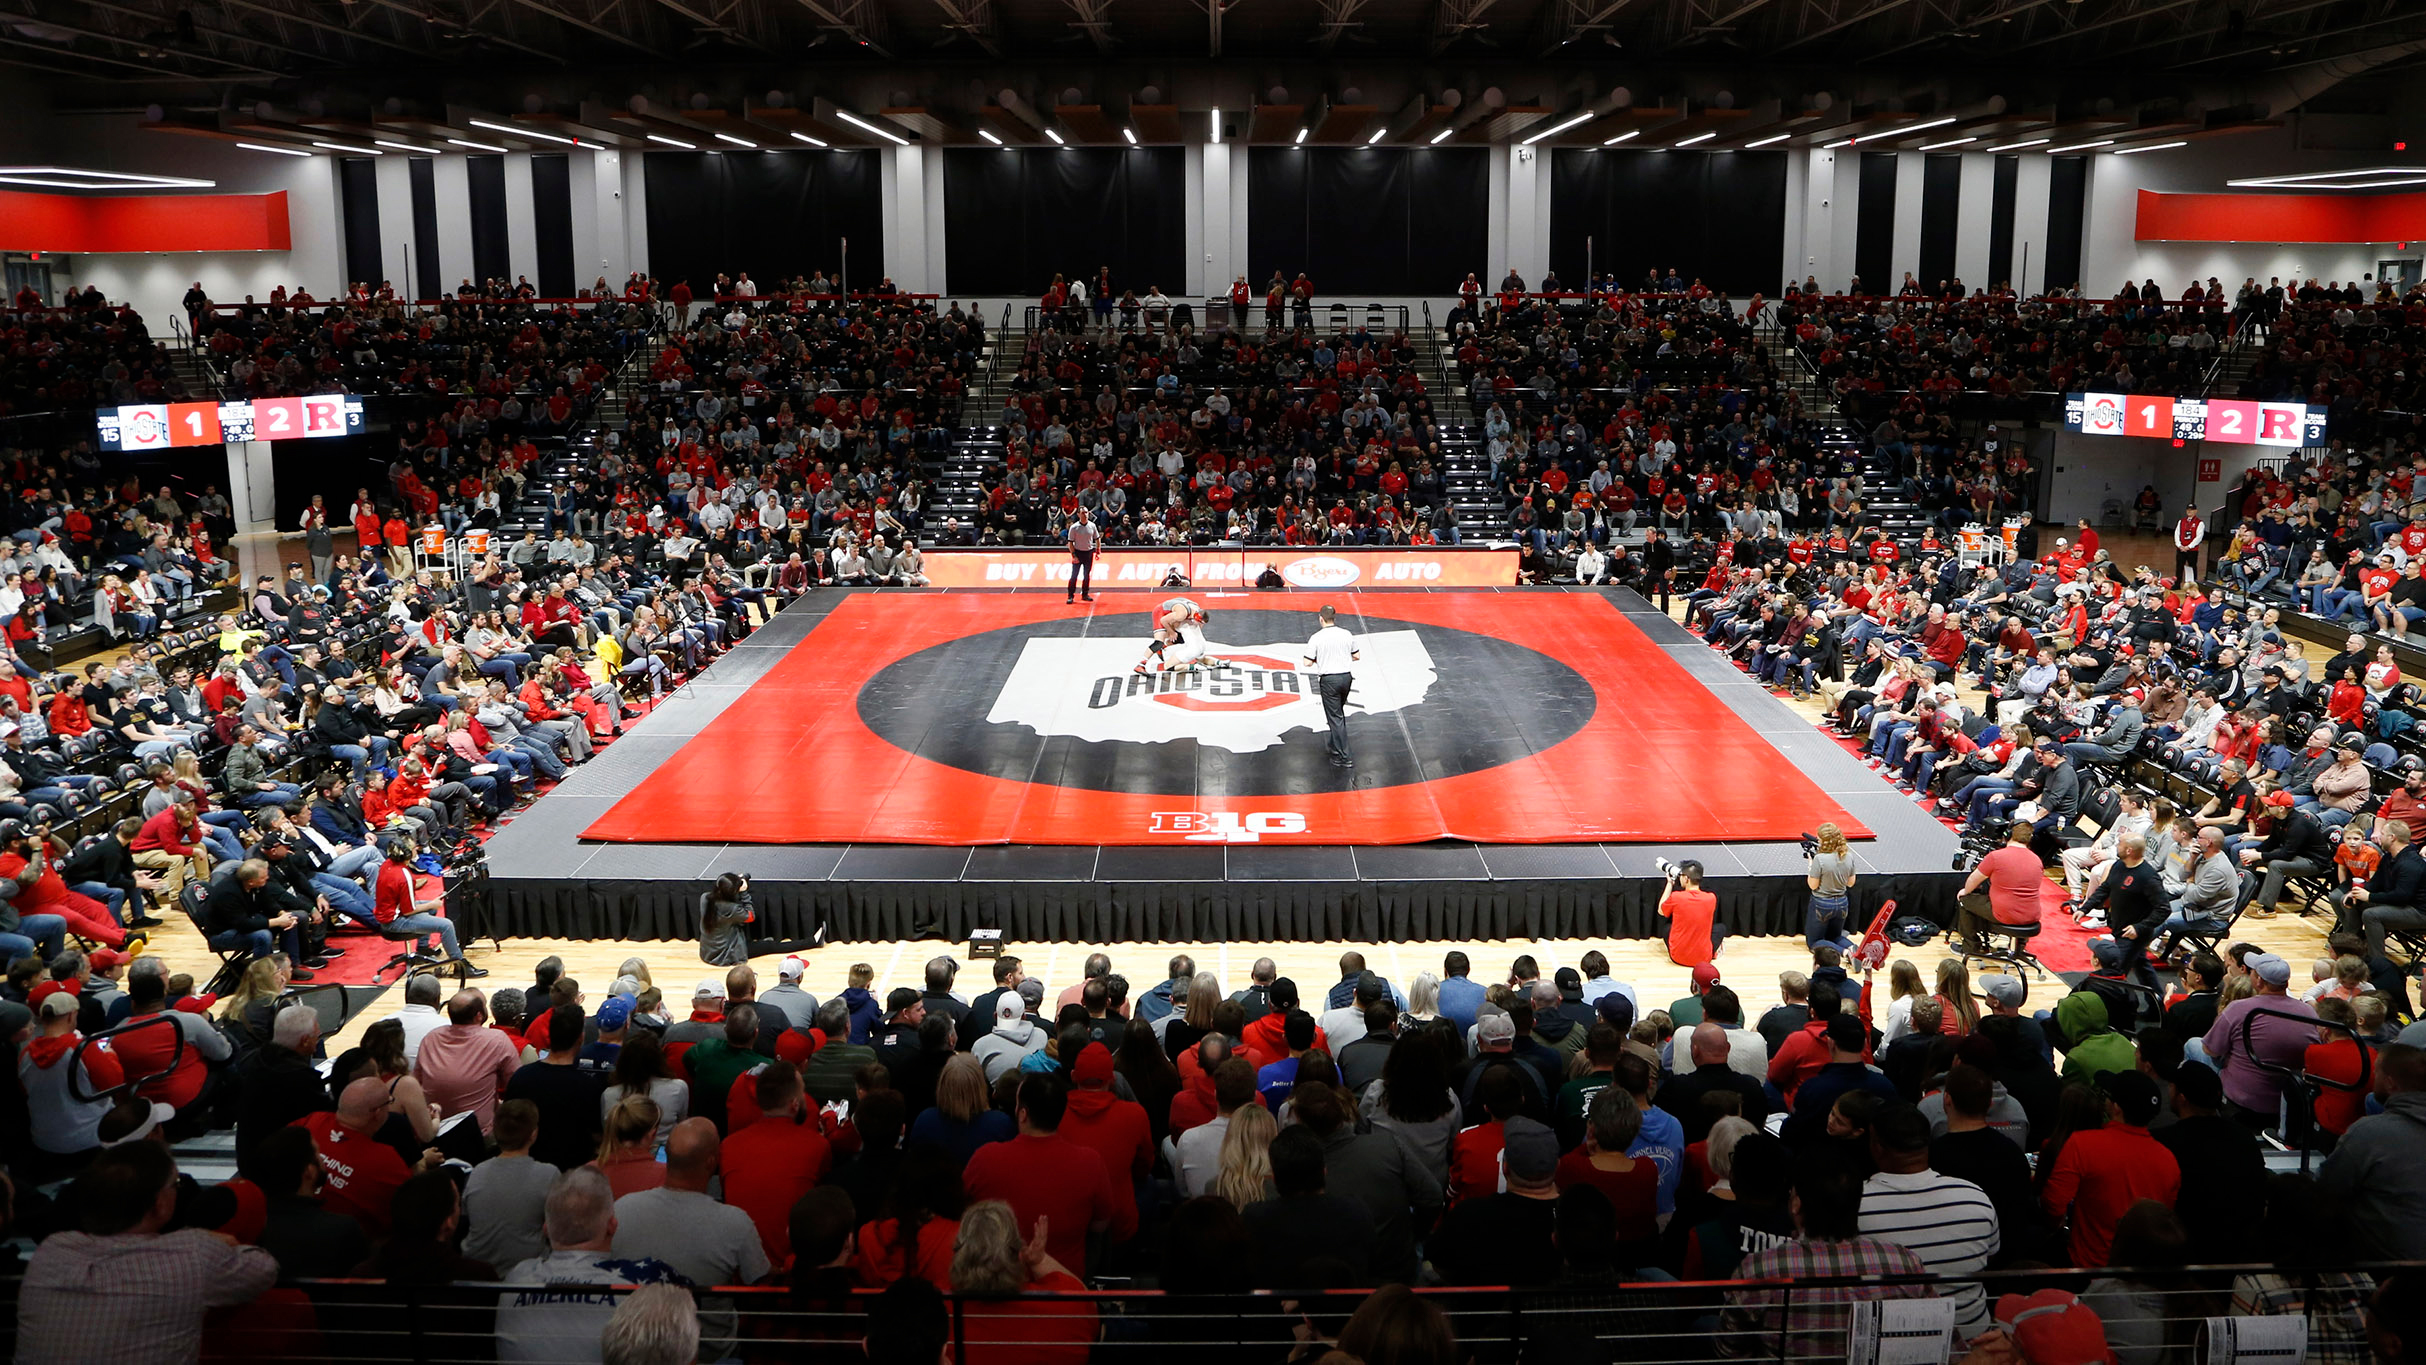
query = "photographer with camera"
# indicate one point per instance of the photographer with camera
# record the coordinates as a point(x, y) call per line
point(1829, 874)
point(1694, 933)
point(725, 911)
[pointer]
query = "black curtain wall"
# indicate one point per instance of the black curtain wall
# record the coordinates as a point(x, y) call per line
point(1719, 219)
point(423, 176)
point(1014, 218)
point(1874, 225)
point(552, 224)
point(492, 257)
point(2004, 190)
point(1369, 220)
point(358, 207)
point(1941, 213)
point(2067, 216)
point(775, 216)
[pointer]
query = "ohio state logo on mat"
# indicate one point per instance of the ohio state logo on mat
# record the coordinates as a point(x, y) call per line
point(1250, 715)
point(1243, 698)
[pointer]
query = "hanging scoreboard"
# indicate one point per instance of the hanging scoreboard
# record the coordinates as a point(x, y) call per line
point(163, 426)
point(2234, 421)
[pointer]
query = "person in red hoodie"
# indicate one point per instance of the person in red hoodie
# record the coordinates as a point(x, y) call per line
point(2102, 1172)
point(775, 1160)
point(1116, 1129)
point(1042, 1174)
point(1266, 1040)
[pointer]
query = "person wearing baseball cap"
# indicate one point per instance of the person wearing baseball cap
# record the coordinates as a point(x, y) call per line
point(1687, 1010)
point(2276, 1046)
point(56, 1074)
point(2095, 1181)
point(797, 1006)
point(1499, 1238)
point(1495, 1048)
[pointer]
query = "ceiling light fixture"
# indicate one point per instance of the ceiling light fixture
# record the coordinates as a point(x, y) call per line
point(1217, 127)
point(1773, 137)
point(980, 132)
point(1056, 138)
point(1840, 142)
point(406, 147)
point(1956, 142)
point(2081, 146)
point(2017, 146)
point(358, 151)
point(74, 178)
point(1627, 136)
point(1697, 137)
point(804, 137)
point(1300, 139)
point(523, 132)
point(2155, 147)
point(737, 141)
point(1376, 136)
point(674, 142)
point(1442, 136)
point(459, 142)
point(265, 147)
point(2321, 179)
point(1129, 135)
point(1554, 130)
point(1915, 128)
point(862, 124)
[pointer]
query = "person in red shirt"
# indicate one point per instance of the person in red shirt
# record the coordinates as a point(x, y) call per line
point(770, 1163)
point(2004, 889)
point(1266, 1041)
point(1694, 933)
point(394, 907)
point(2339, 1057)
point(1115, 1129)
point(2102, 1172)
point(1043, 1175)
point(362, 1171)
point(41, 891)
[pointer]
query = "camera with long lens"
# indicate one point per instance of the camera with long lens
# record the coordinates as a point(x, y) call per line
point(1666, 868)
point(1810, 843)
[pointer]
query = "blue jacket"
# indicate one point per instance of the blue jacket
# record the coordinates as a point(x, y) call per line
point(865, 1012)
point(1460, 998)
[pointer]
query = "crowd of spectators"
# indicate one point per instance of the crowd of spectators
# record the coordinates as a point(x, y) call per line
point(83, 355)
point(1567, 1132)
point(1288, 434)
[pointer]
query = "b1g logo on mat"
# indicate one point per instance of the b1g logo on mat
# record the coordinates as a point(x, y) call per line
point(1246, 698)
point(1225, 826)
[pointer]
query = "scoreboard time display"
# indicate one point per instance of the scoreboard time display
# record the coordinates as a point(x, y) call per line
point(162, 426)
point(2234, 421)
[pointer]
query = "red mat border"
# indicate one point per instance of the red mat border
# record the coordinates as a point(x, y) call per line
point(790, 761)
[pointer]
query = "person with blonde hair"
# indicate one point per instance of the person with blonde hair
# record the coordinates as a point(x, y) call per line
point(656, 1324)
point(990, 1260)
point(1830, 877)
point(627, 1148)
point(964, 1117)
point(1423, 1000)
point(1245, 1173)
point(1962, 1012)
point(1903, 987)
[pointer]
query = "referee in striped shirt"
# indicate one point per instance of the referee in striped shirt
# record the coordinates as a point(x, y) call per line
point(1950, 1224)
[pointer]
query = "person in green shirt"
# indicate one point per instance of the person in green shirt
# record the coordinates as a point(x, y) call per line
point(1601, 1048)
point(2091, 1048)
point(715, 1064)
point(1687, 1012)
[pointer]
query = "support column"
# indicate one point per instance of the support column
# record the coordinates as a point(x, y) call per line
point(252, 487)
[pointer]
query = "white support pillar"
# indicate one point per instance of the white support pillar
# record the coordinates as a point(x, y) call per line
point(521, 216)
point(252, 487)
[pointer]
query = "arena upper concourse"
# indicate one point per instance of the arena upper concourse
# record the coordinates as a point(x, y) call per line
point(1060, 682)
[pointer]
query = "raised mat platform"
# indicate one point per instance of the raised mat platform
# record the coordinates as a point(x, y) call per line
point(886, 764)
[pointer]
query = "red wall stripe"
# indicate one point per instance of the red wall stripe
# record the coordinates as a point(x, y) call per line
point(2281, 217)
point(144, 222)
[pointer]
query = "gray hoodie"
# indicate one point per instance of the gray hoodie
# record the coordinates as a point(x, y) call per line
point(2379, 1171)
point(1003, 1049)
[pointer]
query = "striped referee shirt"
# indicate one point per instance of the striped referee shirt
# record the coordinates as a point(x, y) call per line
point(1950, 1224)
